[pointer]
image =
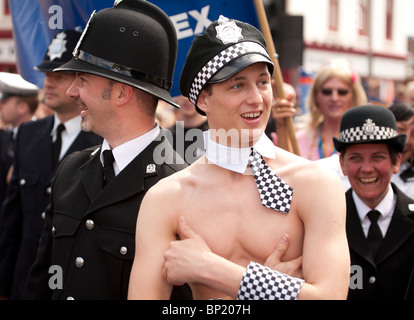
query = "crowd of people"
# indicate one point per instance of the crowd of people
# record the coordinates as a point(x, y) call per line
point(135, 194)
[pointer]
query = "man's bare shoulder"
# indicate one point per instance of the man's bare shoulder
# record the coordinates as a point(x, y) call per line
point(312, 182)
point(300, 168)
point(178, 183)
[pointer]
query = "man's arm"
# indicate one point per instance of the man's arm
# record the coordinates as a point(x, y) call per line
point(154, 231)
point(326, 259)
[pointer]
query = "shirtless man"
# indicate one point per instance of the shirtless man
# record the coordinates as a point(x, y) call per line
point(220, 199)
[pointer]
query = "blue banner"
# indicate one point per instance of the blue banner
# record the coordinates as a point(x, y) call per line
point(35, 22)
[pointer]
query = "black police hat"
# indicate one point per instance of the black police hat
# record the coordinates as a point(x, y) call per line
point(134, 42)
point(369, 124)
point(60, 50)
point(226, 47)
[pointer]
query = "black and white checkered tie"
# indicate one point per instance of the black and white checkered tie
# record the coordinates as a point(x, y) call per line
point(275, 193)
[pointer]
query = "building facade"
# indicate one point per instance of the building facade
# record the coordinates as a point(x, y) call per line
point(368, 33)
point(7, 48)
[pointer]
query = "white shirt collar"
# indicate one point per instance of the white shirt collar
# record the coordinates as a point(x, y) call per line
point(127, 152)
point(386, 207)
point(72, 127)
point(236, 159)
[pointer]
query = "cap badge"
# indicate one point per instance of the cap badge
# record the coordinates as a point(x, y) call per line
point(228, 31)
point(151, 168)
point(57, 47)
point(369, 127)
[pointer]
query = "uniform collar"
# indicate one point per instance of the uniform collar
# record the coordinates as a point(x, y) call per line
point(236, 159)
point(385, 207)
point(128, 151)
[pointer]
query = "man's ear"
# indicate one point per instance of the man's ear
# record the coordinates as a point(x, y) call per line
point(22, 107)
point(202, 101)
point(123, 93)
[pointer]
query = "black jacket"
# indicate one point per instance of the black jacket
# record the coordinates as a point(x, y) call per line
point(387, 276)
point(22, 213)
point(90, 231)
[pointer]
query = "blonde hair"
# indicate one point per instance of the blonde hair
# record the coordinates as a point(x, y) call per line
point(331, 69)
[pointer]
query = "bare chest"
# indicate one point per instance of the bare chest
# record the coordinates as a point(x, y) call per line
point(235, 225)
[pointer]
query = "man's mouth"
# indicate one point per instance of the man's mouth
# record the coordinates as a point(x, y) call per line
point(251, 115)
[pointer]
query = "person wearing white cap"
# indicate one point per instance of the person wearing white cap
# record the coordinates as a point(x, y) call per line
point(18, 99)
point(18, 103)
point(244, 194)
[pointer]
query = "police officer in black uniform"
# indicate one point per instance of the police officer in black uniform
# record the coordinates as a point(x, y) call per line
point(28, 195)
point(124, 63)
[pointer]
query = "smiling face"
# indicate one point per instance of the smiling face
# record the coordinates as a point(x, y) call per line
point(240, 106)
point(334, 98)
point(93, 95)
point(369, 168)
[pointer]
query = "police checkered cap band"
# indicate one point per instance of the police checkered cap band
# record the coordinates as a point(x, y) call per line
point(361, 134)
point(262, 283)
point(219, 61)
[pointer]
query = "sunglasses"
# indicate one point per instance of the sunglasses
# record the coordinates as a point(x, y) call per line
point(328, 92)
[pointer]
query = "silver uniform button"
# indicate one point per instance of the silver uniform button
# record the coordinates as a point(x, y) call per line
point(53, 231)
point(49, 191)
point(79, 262)
point(372, 280)
point(43, 215)
point(123, 250)
point(22, 182)
point(89, 224)
point(70, 298)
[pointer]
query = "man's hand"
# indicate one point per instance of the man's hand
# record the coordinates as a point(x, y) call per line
point(185, 258)
point(292, 268)
point(189, 258)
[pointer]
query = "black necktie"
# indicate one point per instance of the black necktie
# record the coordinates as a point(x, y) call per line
point(374, 233)
point(274, 192)
point(57, 145)
point(108, 169)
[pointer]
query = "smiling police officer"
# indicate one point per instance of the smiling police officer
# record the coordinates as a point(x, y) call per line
point(124, 63)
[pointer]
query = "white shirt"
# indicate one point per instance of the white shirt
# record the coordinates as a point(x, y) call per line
point(385, 207)
point(72, 130)
point(406, 187)
point(128, 151)
point(236, 159)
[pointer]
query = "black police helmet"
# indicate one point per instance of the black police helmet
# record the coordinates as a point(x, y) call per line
point(134, 42)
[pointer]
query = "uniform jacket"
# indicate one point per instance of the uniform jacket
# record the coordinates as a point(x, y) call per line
point(387, 276)
point(6, 159)
point(22, 214)
point(90, 230)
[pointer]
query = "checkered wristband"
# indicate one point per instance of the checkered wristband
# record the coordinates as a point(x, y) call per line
point(262, 283)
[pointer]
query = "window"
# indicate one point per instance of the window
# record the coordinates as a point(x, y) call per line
point(333, 15)
point(389, 20)
point(6, 9)
point(363, 17)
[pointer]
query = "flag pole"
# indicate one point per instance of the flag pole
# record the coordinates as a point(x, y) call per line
point(277, 74)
